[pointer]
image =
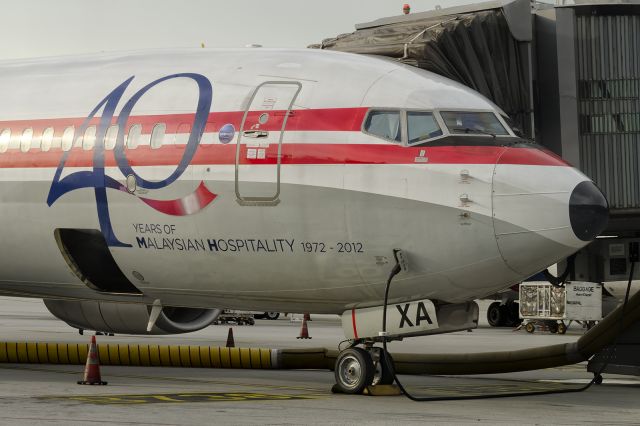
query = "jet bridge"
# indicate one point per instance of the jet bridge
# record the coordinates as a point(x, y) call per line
point(485, 46)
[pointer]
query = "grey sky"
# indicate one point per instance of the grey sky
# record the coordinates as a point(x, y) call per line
point(46, 27)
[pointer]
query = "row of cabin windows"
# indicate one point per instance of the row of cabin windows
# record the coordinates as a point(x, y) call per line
point(47, 140)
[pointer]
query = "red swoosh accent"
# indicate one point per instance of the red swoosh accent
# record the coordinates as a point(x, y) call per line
point(189, 204)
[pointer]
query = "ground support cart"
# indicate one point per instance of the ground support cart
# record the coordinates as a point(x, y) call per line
point(235, 317)
point(544, 306)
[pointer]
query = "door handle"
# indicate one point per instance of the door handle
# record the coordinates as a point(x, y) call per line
point(255, 134)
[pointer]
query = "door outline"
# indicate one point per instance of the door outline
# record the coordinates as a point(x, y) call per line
point(263, 201)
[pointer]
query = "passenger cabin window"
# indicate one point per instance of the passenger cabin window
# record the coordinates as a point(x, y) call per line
point(133, 139)
point(36, 141)
point(469, 122)
point(208, 136)
point(157, 135)
point(67, 138)
point(422, 125)
point(384, 124)
point(111, 137)
point(14, 142)
point(25, 140)
point(182, 134)
point(5, 136)
point(89, 138)
point(47, 139)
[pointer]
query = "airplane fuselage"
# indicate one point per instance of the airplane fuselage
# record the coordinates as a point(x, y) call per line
point(260, 179)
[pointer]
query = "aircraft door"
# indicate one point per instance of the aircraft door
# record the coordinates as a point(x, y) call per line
point(259, 147)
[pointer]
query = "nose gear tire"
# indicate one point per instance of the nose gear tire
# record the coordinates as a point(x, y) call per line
point(354, 371)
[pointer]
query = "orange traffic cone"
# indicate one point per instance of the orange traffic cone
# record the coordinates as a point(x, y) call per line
point(92, 367)
point(304, 333)
point(307, 317)
point(230, 342)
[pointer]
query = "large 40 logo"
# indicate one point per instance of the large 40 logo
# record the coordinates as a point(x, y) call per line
point(99, 181)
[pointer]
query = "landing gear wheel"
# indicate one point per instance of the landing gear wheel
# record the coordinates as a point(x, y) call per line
point(272, 315)
point(597, 379)
point(495, 315)
point(512, 314)
point(382, 375)
point(354, 371)
point(530, 327)
point(562, 328)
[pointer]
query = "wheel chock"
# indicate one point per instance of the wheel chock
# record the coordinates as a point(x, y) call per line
point(382, 390)
point(336, 389)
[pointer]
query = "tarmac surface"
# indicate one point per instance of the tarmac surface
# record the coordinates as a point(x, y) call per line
point(48, 394)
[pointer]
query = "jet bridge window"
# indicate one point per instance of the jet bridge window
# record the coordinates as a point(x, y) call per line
point(421, 125)
point(467, 122)
point(384, 124)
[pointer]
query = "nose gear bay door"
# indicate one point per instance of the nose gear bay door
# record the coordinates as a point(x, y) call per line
point(259, 147)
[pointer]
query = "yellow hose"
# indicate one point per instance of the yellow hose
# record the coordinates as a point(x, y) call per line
point(137, 355)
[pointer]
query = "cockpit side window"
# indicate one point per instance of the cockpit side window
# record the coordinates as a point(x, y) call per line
point(384, 124)
point(514, 127)
point(466, 122)
point(422, 125)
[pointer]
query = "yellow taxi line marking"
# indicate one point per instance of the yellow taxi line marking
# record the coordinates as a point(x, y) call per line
point(182, 397)
point(174, 379)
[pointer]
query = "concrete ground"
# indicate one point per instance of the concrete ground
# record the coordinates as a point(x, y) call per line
point(48, 394)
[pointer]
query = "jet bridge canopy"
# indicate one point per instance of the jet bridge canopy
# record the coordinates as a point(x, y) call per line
point(485, 46)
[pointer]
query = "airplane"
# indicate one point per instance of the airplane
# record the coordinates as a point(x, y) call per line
point(144, 192)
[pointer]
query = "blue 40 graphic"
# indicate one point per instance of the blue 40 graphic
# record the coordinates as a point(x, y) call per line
point(99, 181)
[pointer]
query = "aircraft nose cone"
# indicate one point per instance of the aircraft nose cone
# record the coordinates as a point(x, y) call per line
point(588, 211)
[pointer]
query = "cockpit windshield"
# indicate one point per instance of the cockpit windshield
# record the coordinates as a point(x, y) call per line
point(465, 122)
point(384, 124)
point(421, 125)
point(414, 127)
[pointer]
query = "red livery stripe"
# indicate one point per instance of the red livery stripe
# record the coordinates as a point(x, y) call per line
point(328, 119)
point(293, 153)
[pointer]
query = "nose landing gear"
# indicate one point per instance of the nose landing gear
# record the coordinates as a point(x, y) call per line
point(357, 368)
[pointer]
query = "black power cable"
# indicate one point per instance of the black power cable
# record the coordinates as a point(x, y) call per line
point(633, 258)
